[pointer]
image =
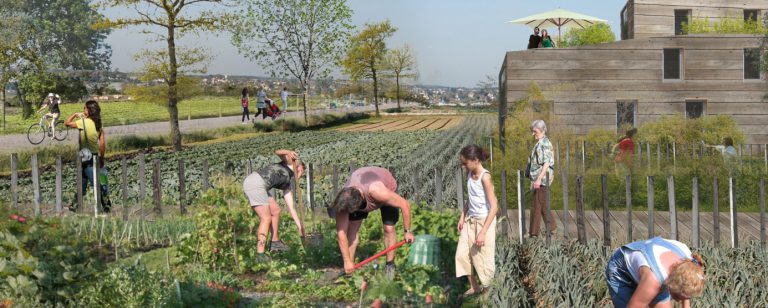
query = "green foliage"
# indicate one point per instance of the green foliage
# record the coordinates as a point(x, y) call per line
point(594, 34)
point(709, 129)
point(187, 87)
point(37, 86)
point(365, 58)
point(727, 25)
point(128, 286)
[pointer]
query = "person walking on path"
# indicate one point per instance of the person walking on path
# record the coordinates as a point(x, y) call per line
point(244, 102)
point(477, 223)
point(654, 272)
point(259, 189)
point(261, 104)
point(541, 172)
point(91, 141)
point(534, 41)
point(624, 152)
point(284, 97)
point(369, 189)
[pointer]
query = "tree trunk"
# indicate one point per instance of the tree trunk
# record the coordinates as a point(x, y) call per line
point(173, 98)
point(25, 106)
point(4, 105)
point(304, 89)
point(375, 91)
point(397, 82)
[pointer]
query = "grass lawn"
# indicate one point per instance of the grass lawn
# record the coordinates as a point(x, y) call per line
point(132, 112)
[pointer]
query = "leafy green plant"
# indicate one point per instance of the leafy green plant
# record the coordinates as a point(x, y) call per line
point(128, 286)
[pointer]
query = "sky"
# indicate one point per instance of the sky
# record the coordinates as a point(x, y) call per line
point(456, 42)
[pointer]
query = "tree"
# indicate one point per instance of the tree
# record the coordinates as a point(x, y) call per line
point(14, 25)
point(297, 38)
point(174, 18)
point(365, 57)
point(402, 64)
point(487, 86)
point(594, 34)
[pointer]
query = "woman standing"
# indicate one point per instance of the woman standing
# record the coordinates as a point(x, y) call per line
point(477, 224)
point(244, 102)
point(541, 172)
point(91, 141)
point(259, 188)
point(261, 104)
point(546, 40)
point(653, 272)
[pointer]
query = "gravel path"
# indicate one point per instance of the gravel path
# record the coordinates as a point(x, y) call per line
point(19, 142)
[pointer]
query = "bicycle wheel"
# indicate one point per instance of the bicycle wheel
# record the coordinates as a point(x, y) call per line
point(36, 133)
point(60, 131)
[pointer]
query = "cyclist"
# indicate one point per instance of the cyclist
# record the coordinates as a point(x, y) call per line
point(52, 103)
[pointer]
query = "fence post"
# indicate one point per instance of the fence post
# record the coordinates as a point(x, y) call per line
point(762, 213)
point(36, 184)
point(58, 205)
point(568, 154)
point(695, 207)
point(460, 188)
point(716, 211)
point(520, 207)
point(206, 183)
point(157, 187)
point(658, 155)
point(335, 186)
point(648, 152)
point(14, 180)
point(628, 200)
point(672, 208)
point(583, 156)
point(566, 213)
point(765, 156)
point(96, 185)
point(547, 211)
point(674, 155)
point(124, 185)
point(142, 178)
point(651, 223)
point(734, 217)
point(606, 211)
point(311, 191)
point(505, 227)
point(229, 168)
point(580, 230)
point(182, 188)
point(79, 183)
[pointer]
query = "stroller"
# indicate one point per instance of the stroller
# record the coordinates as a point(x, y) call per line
point(272, 110)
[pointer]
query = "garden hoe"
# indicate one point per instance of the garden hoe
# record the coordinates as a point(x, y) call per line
point(336, 275)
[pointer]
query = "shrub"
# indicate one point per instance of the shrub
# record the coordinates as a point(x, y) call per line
point(594, 34)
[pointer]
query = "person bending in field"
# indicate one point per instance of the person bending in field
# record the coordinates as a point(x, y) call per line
point(477, 224)
point(624, 152)
point(369, 189)
point(259, 188)
point(654, 272)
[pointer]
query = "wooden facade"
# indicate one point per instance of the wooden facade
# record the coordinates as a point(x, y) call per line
point(587, 85)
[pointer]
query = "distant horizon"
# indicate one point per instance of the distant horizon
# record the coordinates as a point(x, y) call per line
point(456, 43)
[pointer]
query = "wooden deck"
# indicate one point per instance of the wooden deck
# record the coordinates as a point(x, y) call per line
point(748, 226)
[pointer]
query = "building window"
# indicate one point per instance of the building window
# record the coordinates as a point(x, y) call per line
point(751, 15)
point(625, 113)
point(694, 109)
point(672, 63)
point(751, 63)
point(681, 17)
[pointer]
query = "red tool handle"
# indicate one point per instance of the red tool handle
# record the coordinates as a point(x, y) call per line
point(383, 252)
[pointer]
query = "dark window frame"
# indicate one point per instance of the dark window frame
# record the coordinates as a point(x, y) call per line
point(679, 64)
point(678, 26)
point(752, 14)
point(623, 103)
point(752, 76)
point(693, 101)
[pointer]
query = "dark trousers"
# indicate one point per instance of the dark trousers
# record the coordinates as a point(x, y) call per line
point(262, 112)
point(246, 114)
point(539, 210)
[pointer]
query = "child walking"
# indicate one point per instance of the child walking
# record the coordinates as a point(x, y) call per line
point(477, 224)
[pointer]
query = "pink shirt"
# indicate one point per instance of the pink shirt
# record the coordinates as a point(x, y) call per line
point(363, 178)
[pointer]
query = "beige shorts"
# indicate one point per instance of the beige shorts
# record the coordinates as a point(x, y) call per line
point(255, 190)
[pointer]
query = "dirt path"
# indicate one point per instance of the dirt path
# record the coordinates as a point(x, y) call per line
point(19, 142)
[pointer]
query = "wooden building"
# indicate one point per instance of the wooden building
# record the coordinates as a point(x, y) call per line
point(652, 71)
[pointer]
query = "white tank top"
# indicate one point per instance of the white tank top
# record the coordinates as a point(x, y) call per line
point(478, 201)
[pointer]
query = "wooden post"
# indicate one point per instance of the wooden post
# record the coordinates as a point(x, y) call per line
point(568, 154)
point(96, 185)
point(228, 168)
point(762, 213)
point(580, 230)
point(628, 200)
point(565, 203)
point(142, 178)
point(438, 188)
point(58, 204)
point(765, 156)
point(460, 188)
point(583, 156)
point(716, 211)
point(335, 186)
point(206, 183)
point(674, 155)
point(640, 154)
point(36, 184)
point(15, 180)
point(520, 207)
point(547, 210)
point(157, 187)
point(648, 152)
point(741, 160)
point(695, 207)
point(651, 223)
point(249, 167)
point(182, 188)
point(672, 208)
point(311, 191)
point(734, 217)
point(557, 151)
point(79, 183)
point(124, 186)
point(606, 211)
point(505, 227)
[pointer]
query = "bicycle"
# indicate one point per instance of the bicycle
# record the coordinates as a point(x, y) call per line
point(36, 133)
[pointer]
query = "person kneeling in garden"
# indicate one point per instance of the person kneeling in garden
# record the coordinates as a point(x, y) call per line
point(650, 273)
point(477, 225)
point(259, 188)
point(369, 189)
